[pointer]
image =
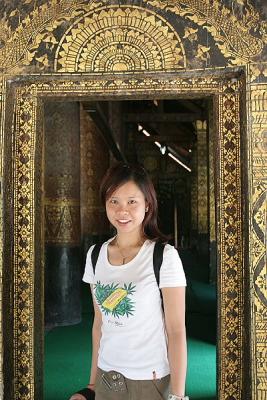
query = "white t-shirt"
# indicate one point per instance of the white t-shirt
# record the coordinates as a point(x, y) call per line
point(133, 340)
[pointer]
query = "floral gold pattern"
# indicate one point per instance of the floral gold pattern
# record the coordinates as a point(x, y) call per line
point(222, 25)
point(2, 118)
point(258, 235)
point(130, 39)
point(231, 245)
point(34, 40)
point(62, 221)
point(202, 177)
point(26, 104)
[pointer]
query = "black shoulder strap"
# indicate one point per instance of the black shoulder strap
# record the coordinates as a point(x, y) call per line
point(95, 254)
point(157, 259)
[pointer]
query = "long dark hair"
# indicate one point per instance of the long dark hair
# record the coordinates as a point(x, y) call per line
point(120, 173)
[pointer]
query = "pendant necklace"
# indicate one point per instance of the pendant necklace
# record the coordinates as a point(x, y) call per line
point(124, 257)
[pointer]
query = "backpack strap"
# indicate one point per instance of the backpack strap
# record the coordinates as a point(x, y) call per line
point(157, 259)
point(95, 254)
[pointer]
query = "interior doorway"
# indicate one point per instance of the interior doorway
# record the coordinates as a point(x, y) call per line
point(173, 139)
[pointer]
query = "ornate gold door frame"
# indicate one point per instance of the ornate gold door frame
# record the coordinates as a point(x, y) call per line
point(27, 98)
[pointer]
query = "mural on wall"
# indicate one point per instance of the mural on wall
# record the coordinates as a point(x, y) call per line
point(75, 36)
point(91, 36)
point(144, 42)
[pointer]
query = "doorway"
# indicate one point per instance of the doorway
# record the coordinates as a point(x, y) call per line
point(226, 93)
point(174, 140)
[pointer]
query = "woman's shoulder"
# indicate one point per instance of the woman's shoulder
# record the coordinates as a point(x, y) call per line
point(168, 249)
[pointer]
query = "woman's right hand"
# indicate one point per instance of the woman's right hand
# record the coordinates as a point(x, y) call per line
point(77, 396)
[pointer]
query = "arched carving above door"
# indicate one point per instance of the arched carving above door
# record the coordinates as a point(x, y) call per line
point(29, 36)
point(120, 39)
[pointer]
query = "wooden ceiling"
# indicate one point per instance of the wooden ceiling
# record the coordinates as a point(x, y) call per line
point(171, 122)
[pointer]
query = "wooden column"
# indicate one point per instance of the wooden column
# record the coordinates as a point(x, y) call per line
point(62, 214)
point(94, 163)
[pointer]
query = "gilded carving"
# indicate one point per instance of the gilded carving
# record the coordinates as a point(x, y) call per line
point(258, 71)
point(203, 52)
point(2, 119)
point(34, 41)
point(211, 185)
point(223, 25)
point(26, 103)
point(258, 236)
point(20, 46)
point(93, 219)
point(190, 34)
point(130, 39)
point(202, 176)
point(62, 221)
point(230, 240)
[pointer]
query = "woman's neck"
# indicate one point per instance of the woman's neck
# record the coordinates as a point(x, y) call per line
point(129, 240)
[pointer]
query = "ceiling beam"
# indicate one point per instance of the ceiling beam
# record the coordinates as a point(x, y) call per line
point(192, 106)
point(163, 139)
point(96, 113)
point(163, 117)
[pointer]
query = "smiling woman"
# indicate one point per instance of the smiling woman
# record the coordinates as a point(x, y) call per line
point(133, 343)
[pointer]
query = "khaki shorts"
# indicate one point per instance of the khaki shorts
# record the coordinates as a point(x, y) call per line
point(113, 385)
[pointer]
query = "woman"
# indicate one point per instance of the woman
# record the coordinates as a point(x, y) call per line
point(139, 352)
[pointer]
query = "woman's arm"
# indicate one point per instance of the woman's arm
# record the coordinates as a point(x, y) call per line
point(96, 336)
point(174, 310)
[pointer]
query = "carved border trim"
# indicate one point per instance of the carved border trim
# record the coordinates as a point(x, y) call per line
point(231, 242)
point(2, 124)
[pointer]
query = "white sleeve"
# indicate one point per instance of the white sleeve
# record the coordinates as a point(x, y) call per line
point(171, 271)
point(89, 276)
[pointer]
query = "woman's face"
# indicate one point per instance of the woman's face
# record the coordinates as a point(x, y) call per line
point(126, 208)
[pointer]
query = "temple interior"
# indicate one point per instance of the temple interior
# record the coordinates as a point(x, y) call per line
point(174, 140)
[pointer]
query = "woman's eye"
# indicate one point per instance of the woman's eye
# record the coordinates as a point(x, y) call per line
point(132, 201)
point(113, 201)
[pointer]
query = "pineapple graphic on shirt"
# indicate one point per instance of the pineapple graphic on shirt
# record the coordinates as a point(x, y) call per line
point(115, 300)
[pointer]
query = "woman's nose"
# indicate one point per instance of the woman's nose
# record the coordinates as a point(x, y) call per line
point(123, 209)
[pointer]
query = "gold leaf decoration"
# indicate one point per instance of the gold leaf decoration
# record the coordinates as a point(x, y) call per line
point(190, 34)
point(202, 52)
point(223, 25)
point(13, 13)
point(120, 39)
point(43, 61)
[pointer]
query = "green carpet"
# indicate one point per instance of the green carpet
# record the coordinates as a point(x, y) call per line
point(67, 359)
